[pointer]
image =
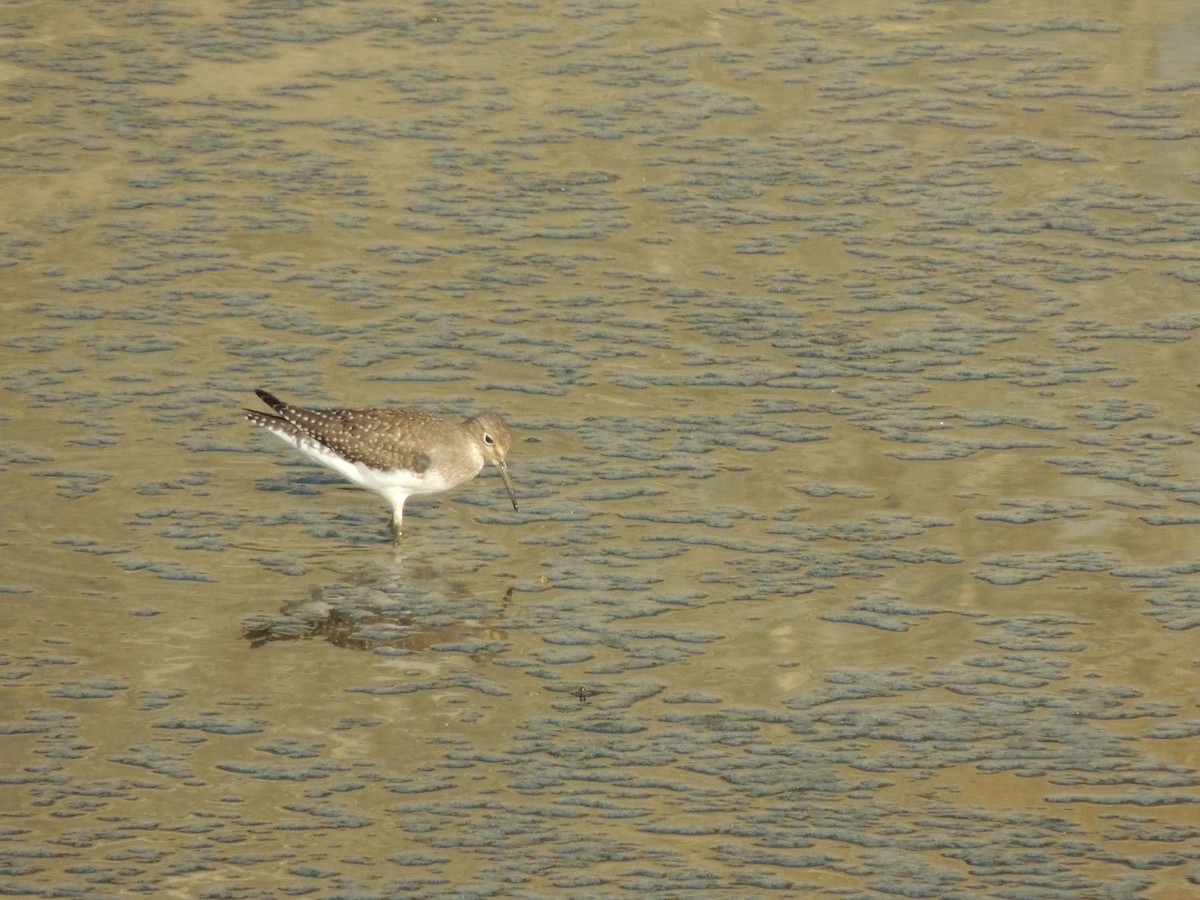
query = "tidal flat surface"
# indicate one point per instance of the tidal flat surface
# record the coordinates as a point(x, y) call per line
point(850, 356)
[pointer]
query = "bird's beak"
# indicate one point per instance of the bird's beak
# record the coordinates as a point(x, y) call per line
point(507, 484)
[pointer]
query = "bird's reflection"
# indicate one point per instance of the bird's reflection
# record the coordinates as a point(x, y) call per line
point(372, 619)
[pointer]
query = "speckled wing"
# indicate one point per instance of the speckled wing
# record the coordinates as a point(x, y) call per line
point(379, 438)
point(382, 439)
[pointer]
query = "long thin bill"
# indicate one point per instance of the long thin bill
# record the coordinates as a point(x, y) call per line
point(507, 484)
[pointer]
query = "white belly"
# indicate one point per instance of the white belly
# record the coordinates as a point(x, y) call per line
point(395, 485)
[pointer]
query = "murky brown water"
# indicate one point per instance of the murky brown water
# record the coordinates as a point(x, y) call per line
point(851, 357)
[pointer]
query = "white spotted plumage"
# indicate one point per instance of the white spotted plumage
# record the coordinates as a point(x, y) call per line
point(393, 452)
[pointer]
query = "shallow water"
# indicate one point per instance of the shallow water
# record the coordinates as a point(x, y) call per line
point(850, 360)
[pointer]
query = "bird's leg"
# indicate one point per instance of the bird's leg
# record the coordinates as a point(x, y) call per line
point(397, 523)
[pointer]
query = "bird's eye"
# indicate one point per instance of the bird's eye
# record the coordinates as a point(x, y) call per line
point(487, 438)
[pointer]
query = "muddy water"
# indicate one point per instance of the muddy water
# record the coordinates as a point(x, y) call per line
point(851, 361)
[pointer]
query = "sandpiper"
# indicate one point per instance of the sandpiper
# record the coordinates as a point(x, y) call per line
point(394, 452)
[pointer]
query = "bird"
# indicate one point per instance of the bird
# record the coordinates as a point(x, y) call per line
point(395, 452)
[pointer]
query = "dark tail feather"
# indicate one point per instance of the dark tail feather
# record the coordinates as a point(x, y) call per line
point(271, 400)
